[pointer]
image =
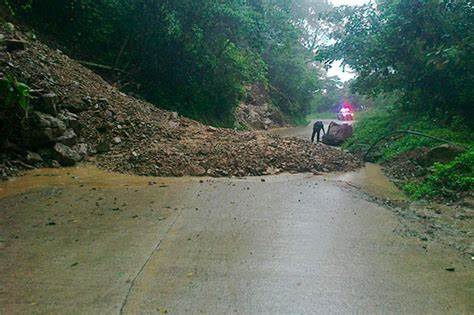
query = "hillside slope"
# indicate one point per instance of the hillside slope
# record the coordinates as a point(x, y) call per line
point(122, 133)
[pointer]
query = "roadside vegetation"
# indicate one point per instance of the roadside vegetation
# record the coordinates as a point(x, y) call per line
point(195, 57)
point(415, 61)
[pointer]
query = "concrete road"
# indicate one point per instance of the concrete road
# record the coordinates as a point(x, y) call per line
point(83, 241)
point(304, 132)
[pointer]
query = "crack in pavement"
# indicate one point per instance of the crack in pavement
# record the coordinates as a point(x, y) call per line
point(155, 250)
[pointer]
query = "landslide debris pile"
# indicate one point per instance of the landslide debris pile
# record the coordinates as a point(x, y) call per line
point(77, 115)
point(256, 112)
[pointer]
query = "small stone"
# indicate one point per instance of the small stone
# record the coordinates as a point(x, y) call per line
point(451, 269)
point(33, 157)
point(117, 140)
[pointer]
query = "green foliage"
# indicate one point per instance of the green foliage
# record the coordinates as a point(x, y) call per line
point(386, 118)
point(14, 93)
point(422, 50)
point(446, 179)
point(191, 56)
point(14, 107)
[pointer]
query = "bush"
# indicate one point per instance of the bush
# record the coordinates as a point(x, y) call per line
point(381, 121)
point(446, 179)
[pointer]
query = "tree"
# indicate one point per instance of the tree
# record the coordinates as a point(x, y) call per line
point(422, 50)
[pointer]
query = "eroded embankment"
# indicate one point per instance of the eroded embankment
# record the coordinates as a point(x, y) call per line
point(121, 133)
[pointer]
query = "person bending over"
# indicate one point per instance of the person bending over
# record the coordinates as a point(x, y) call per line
point(317, 127)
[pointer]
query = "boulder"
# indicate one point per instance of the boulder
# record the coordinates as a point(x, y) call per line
point(82, 149)
point(65, 155)
point(68, 138)
point(337, 133)
point(71, 120)
point(46, 128)
point(442, 154)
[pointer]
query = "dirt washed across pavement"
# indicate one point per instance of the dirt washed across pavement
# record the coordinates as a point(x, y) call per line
point(82, 241)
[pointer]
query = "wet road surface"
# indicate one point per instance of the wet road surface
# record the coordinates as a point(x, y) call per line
point(82, 241)
point(304, 132)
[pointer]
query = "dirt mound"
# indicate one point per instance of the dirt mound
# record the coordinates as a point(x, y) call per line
point(125, 134)
point(256, 112)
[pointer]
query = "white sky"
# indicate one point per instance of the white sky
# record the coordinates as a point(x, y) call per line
point(335, 67)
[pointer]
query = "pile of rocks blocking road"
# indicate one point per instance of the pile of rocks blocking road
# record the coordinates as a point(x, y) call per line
point(76, 115)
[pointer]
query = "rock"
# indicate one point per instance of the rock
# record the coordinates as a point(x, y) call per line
point(337, 133)
point(33, 157)
point(82, 149)
point(71, 120)
point(46, 128)
point(68, 138)
point(65, 155)
point(47, 104)
point(196, 170)
point(442, 154)
point(117, 140)
point(174, 115)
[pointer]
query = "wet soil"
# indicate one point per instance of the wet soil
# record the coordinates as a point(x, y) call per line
point(128, 135)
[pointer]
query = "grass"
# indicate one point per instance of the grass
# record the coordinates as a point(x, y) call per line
point(444, 180)
point(374, 124)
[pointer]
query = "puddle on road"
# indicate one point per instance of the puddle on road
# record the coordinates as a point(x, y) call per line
point(371, 179)
point(82, 176)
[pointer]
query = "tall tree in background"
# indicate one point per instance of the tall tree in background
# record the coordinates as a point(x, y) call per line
point(421, 49)
point(193, 56)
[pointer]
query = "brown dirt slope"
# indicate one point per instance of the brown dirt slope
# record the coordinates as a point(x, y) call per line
point(125, 134)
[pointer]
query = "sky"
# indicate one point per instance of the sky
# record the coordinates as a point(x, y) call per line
point(335, 67)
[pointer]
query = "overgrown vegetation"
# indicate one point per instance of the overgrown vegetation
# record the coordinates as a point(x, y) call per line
point(421, 50)
point(380, 121)
point(415, 59)
point(14, 107)
point(192, 56)
point(447, 179)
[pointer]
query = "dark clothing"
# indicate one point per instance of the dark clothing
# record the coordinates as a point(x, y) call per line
point(317, 127)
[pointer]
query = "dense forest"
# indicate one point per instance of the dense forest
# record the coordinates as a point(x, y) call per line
point(195, 57)
point(415, 60)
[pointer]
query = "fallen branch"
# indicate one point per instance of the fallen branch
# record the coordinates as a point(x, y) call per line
point(100, 66)
point(411, 132)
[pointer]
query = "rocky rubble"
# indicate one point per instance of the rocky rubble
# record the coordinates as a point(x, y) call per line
point(77, 114)
point(256, 112)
